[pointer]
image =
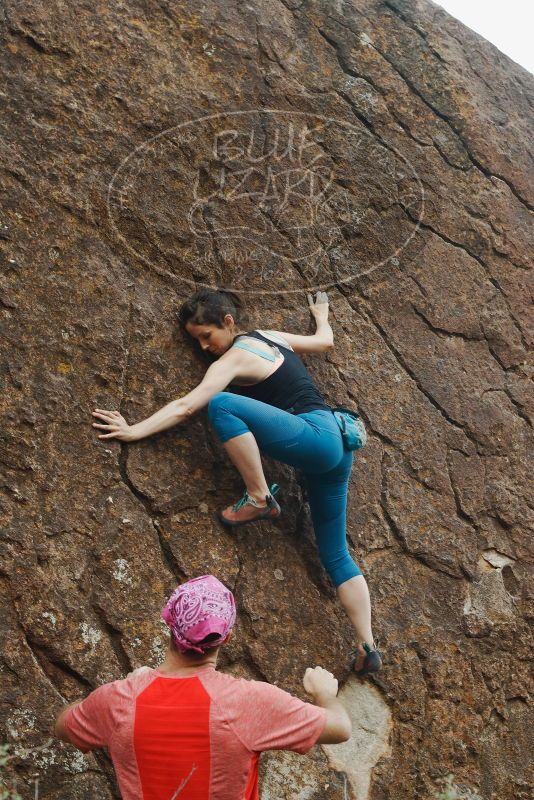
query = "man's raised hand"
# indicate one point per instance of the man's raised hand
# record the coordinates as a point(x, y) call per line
point(320, 683)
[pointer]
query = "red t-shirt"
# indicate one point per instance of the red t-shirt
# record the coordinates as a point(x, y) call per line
point(195, 737)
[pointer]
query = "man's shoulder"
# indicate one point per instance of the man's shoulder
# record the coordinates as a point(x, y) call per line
point(248, 687)
point(230, 679)
point(131, 685)
point(140, 671)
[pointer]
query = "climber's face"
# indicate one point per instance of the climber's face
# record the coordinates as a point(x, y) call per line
point(212, 338)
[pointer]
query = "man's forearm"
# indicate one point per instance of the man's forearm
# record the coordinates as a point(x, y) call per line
point(332, 704)
point(168, 416)
point(338, 725)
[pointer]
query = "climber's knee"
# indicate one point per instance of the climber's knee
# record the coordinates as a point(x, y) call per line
point(215, 404)
point(340, 568)
point(223, 418)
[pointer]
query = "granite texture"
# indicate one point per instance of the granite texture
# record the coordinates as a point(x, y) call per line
point(400, 179)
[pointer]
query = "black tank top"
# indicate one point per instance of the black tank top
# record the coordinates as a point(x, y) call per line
point(290, 387)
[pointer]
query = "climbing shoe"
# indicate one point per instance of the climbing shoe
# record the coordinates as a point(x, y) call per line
point(246, 510)
point(368, 664)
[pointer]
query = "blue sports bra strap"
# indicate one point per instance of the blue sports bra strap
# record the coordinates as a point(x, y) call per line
point(256, 350)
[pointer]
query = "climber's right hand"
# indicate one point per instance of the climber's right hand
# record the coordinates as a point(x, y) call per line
point(115, 426)
point(319, 307)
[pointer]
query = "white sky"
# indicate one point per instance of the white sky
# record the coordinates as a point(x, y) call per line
point(508, 24)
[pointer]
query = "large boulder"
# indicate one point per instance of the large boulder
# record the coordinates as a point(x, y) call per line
point(378, 150)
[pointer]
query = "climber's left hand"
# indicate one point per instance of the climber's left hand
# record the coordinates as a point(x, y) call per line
point(115, 426)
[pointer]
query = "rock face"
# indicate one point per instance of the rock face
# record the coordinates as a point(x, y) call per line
point(376, 149)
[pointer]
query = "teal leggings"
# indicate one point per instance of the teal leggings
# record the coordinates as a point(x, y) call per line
point(312, 443)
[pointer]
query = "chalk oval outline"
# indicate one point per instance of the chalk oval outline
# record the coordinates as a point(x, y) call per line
point(244, 291)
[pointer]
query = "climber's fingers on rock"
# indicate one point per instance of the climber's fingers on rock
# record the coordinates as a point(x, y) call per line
point(107, 416)
point(110, 431)
point(320, 297)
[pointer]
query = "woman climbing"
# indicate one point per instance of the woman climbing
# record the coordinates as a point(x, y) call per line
point(274, 407)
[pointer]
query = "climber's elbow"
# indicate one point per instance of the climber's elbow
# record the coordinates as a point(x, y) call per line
point(182, 410)
point(325, 344)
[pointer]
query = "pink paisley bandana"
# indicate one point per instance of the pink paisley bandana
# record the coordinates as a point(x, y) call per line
point(197, 608)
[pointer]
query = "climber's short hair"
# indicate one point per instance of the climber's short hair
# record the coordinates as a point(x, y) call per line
point(193, 655)
point(210, 306)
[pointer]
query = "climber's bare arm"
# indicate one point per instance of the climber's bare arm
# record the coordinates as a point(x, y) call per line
point(218, 376)
point(323, 338)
